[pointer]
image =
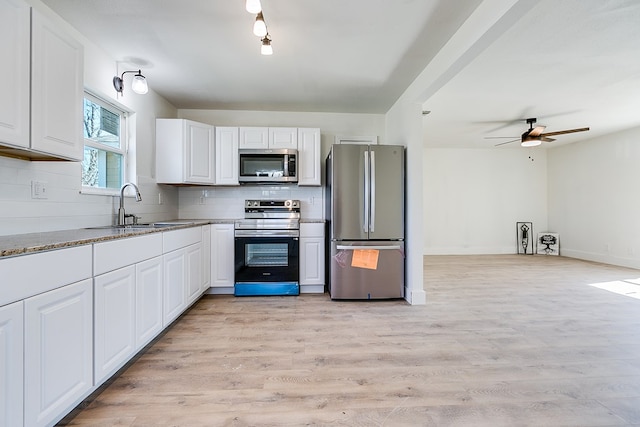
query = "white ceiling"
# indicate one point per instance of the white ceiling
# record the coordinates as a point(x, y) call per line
point(570, 63)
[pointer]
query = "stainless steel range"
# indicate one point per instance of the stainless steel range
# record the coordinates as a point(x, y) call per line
point(267, 248)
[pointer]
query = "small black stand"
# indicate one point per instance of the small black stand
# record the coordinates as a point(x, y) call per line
point(524, 238)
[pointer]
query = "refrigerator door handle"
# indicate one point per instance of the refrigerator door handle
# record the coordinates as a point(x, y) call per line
point(372, 219)
point(381, 248)
point(365, 226)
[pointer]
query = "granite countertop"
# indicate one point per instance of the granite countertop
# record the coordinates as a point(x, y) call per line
point(21, 244)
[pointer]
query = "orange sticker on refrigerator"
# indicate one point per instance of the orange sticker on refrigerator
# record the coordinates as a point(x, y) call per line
point(365, 258)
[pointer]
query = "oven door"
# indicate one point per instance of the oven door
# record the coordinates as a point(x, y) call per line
point(266, 262)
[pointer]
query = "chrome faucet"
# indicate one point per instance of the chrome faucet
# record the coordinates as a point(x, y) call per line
point(121, 215)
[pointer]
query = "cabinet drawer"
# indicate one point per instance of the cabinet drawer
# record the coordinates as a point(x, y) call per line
point(27, 275)
point(176, 239)
point(109, 256)
point(312, 229)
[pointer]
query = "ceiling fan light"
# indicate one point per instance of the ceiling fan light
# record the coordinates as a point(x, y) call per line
point(139, 84)
point(253, 6)
point(531, 142)
point(259, 27)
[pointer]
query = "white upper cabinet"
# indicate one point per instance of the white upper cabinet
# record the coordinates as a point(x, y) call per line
point(309, 162)
point(184, 152)
point(254, 137)
point(259, 138)
point(57, 90)
point(227, 161)
point(283, 138)
point(14, 49)
point(44, 121)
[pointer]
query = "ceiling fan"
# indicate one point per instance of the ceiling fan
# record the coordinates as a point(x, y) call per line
point(534, 135)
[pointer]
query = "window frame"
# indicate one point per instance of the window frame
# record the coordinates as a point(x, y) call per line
point(124, 115)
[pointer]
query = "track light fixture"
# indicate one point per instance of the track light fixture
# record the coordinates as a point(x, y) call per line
point(266, 48)
point(138, 85)
point(260, 26)
point(253, 6)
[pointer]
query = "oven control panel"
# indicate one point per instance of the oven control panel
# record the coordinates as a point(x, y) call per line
point(251, 206)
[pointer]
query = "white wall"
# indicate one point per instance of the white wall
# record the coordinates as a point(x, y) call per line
point(474, 197)
point(594, 198)
point(65, 207)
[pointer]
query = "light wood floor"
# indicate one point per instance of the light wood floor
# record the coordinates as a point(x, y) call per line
point(503, 341)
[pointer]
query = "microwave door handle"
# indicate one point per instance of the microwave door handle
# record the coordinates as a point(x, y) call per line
point(365, 216)
point(372, 177)
point(286, 165)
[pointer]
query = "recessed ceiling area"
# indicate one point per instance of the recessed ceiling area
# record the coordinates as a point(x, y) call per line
point(569, 63)
point(329, 55)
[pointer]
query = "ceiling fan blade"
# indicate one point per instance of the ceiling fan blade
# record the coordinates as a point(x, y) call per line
point(508, 142)
point(545, 139)
point(499, 137)
point(562, 132)
point(536, 131)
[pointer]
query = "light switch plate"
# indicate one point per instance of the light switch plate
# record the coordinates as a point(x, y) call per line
point(39, 190)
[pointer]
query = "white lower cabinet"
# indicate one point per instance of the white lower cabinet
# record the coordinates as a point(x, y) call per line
point(148, 301)
point(182, 280)
point(58, 351)
point(11, 364)
point(312, 254)
point(193, 278)
point(222, 256)
point(114, 321)
point(206, 257)
point(174, 294)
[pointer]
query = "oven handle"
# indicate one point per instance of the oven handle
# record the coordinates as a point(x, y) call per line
point(267, 233)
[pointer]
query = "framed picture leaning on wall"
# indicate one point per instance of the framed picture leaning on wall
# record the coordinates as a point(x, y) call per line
point(548, 243)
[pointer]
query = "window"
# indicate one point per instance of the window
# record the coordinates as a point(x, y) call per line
point(103, 166)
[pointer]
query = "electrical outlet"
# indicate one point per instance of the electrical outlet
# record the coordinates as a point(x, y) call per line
point(39, 190)
point(159, 198)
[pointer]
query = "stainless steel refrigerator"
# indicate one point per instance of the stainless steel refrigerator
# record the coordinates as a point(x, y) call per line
point(365, 221)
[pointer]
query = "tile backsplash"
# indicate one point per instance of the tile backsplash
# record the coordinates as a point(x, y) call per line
point(228, 202)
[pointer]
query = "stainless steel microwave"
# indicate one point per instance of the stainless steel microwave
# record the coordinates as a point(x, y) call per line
point(268, 166)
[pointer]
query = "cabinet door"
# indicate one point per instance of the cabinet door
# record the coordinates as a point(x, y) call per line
point(193, 260)
point(11, 364)
point(148, 300)
point(254, 137)
point(311, 261)
point(57, 90)
point(114, 320)
point(283, 138)
point(206, 257)
point(14, 49)
point(174, 285)
point(222, 253)
point(199, 155)
point(227, 160)
point(58, 356)
point(309, 162)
